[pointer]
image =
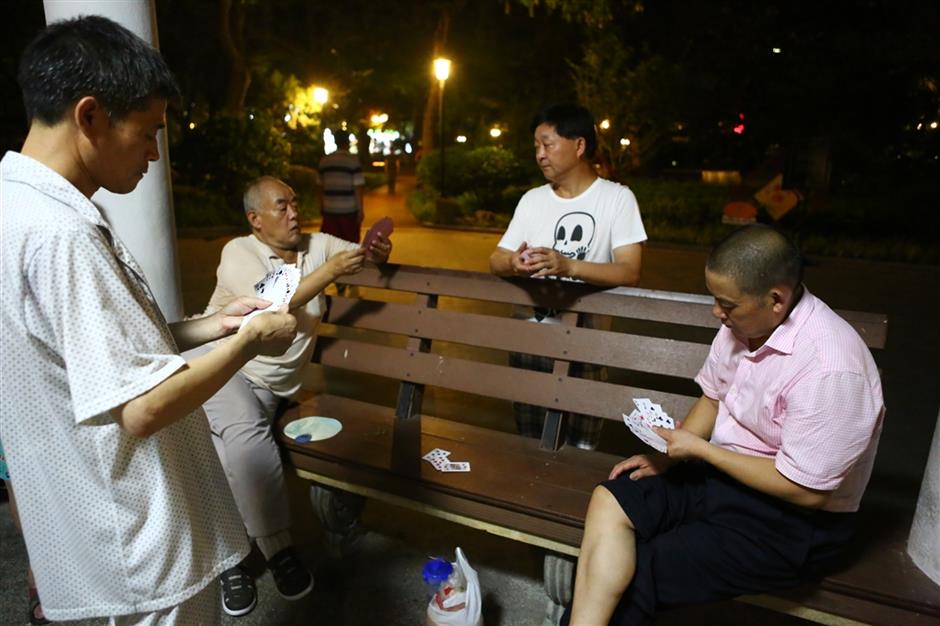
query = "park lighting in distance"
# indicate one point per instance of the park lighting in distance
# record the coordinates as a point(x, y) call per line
point(495, 132)
point(441, 68)
point(461, 139)
point(605, 124)
point(321, 95)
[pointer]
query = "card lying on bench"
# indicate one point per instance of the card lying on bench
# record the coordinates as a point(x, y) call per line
point(643, 418)
point(277, 286)
point(440, 460)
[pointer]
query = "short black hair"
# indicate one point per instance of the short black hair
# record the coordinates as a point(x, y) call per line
point(91, 56)
point(570, 121)
point(341, 137)
point(758, 258)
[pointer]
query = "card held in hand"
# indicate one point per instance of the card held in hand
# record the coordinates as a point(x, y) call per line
point(278, 287)
point(642, 420)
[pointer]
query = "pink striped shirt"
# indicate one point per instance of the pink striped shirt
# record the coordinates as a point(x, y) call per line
point(810, 398)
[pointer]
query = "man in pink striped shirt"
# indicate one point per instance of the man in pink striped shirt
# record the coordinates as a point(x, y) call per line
point(778, 451)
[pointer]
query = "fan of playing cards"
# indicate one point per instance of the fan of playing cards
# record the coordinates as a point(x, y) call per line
point(440, 460)
point(644, 417)
point(278, 286)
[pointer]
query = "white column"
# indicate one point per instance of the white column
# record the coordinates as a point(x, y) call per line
point(924, 542)
point(142, 219)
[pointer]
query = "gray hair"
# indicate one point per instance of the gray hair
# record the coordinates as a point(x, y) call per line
point(251, 198)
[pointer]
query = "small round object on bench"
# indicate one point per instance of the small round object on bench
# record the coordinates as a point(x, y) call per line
point(314, 428)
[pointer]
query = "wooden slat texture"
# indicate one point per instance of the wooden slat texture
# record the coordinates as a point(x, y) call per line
point(660, 306)
point(508, 471)
point(496, 381)
point(531, 493)
point(584, 345)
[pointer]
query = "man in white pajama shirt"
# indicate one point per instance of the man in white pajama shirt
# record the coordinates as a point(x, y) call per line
point(125, 510)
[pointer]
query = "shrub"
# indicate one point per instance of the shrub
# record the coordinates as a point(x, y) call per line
point(484, 172)
point(196, 207)
point(227, 151)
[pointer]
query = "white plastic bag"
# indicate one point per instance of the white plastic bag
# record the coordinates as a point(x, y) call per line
point(462, 608)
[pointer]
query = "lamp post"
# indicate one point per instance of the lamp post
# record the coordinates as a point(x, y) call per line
point(441, 72)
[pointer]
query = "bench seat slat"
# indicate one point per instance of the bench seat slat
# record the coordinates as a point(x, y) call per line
point(650, 354)
point(506, 469)
point(498, 381)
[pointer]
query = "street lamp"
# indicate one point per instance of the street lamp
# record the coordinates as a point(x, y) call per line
point(441, 72)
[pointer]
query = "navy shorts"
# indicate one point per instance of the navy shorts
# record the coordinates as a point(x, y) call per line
point(702, 537)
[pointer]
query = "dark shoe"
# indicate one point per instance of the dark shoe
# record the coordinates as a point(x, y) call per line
point(291, 577)
point(239, 596)
point(35, 615)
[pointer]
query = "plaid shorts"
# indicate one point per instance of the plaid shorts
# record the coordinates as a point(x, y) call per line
point(581, 431)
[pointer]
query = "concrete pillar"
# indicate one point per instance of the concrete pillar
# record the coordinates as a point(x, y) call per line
point(142, 219)
point(924, 542)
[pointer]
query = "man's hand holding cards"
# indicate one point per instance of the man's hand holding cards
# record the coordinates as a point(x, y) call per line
point(642, 420)
point(376, 241)
point(277, 287)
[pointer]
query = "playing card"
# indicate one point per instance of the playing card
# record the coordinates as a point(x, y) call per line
point(438, 458)
point(653, 414)
point(277, 286)
point(456, 466)
point(638, 427)
point(436, 453)
point(384, 226)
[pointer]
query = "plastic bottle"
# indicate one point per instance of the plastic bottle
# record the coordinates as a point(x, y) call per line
point(445, 583)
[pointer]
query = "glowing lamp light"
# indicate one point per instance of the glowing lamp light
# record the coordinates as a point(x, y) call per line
point(933, 125)
point(624, 142)
point(738, 129)
point(441, 68)
point(320, 95)
point(495, 132)
point(378, 119)
point(461, 139)
point(287, 117)
point(192, 125)
point(605, 124)
point(776, 50)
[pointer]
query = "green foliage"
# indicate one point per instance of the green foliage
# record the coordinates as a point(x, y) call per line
point(486, 173)
point(227, 151)
point(196, 207)
point(305, 181)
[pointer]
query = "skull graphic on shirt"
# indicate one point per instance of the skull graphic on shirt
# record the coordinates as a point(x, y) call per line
point(574, 233)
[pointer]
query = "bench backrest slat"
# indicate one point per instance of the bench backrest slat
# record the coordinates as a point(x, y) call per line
point(660, 356)
point(659, 306)
point(561, 393)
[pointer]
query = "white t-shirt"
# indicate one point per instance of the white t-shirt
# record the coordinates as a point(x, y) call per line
point(114, 524)
point(588, 227)
point(245, 261)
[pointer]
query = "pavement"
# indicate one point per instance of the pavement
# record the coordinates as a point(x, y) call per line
point(379, 582)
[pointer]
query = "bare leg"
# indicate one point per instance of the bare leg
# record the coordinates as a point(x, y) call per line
point(607, 561)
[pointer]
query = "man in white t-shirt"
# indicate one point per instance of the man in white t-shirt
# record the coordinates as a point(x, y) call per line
point(124, 506)
point(576, 227)
point(240, 414)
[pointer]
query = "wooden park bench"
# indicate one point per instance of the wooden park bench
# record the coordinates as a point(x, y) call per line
point(414, 359)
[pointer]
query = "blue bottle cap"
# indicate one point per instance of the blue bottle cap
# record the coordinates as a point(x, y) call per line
point(437, 570)
point(302, 438)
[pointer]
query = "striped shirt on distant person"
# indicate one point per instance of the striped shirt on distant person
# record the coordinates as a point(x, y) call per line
point(340, 174)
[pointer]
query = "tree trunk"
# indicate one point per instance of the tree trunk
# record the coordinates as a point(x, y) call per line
point(429, 125)
point(231, 29)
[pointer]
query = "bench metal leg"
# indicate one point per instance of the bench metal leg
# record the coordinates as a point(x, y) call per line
point(338, 512)
point(558, 576)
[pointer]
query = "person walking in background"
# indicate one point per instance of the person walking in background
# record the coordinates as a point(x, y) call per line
point(341, 191)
